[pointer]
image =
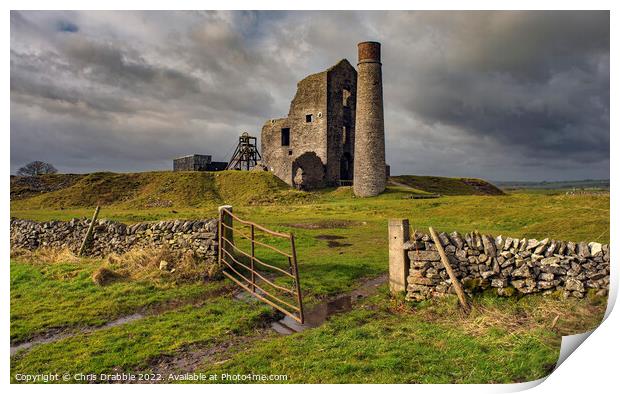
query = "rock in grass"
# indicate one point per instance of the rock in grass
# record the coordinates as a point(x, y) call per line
point(499, 282)
point(506, 291)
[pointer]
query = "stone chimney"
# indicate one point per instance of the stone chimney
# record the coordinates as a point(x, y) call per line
point(369, 159)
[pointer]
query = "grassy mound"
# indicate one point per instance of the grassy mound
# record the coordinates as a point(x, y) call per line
point(28, 186)
point(167, 189)
point(151, 190)
point(448, 186)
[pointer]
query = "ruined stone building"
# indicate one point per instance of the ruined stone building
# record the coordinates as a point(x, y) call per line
point(317, 136)
point(315, 146)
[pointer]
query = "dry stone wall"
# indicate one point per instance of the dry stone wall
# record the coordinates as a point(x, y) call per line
point(199, 236)
point(509, 265)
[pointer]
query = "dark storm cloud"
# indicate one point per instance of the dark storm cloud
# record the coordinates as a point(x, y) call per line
point(536, 81)
point(500, 95)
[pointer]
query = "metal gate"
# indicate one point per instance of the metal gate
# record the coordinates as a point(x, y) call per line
point(240, 244)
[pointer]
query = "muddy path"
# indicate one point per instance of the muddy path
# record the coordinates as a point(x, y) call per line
point(190, 359)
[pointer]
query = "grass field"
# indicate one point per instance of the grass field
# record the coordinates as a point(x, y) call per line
point(380, 340)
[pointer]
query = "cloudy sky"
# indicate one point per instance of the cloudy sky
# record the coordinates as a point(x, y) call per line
point(496, 95)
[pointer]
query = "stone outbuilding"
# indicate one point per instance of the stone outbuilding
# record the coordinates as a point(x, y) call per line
point(197, 163)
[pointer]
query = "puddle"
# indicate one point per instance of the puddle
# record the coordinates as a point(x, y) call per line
point(319, 314)
point(336, 244)
point(331, 243)
point(67, 334)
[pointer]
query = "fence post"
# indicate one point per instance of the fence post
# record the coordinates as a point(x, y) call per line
point(89, 232)
point(253, 278)
point(296, 273)
point(226, 233)
point(398, 233)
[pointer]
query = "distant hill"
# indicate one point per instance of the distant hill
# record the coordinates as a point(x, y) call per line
point(447, 186)
point(580, 184)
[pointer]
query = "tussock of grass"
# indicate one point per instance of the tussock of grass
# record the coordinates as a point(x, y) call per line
point(103, 276)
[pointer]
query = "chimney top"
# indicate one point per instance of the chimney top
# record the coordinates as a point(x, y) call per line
point(369, 52)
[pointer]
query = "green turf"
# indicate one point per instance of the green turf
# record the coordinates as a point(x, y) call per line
point(368, 344)
point(134, 346)
point(378, 344)
point(50, 296)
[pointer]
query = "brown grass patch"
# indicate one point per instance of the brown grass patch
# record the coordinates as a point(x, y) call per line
point(45, 255)
point(146, 263)
point(514, 315)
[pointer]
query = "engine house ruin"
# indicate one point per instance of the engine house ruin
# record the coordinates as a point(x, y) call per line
point(314, 146)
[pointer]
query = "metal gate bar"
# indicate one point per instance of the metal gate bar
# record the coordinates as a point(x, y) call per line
point(230, 254)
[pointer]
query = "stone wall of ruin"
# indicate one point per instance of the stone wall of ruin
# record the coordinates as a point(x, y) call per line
point(508, 265)
point(319, 95)
point(341, 90)
point(199, 236)
point(310, 99)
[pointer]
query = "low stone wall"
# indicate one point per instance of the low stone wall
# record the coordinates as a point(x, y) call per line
point(508, 265)
point(199, 236)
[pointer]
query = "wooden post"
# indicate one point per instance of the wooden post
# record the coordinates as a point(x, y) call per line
point(253, 276)
point(446, 263)
point(226, 225)
point(297, 286)
point(219, 239)
point(89, 232)
point(398, 234)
